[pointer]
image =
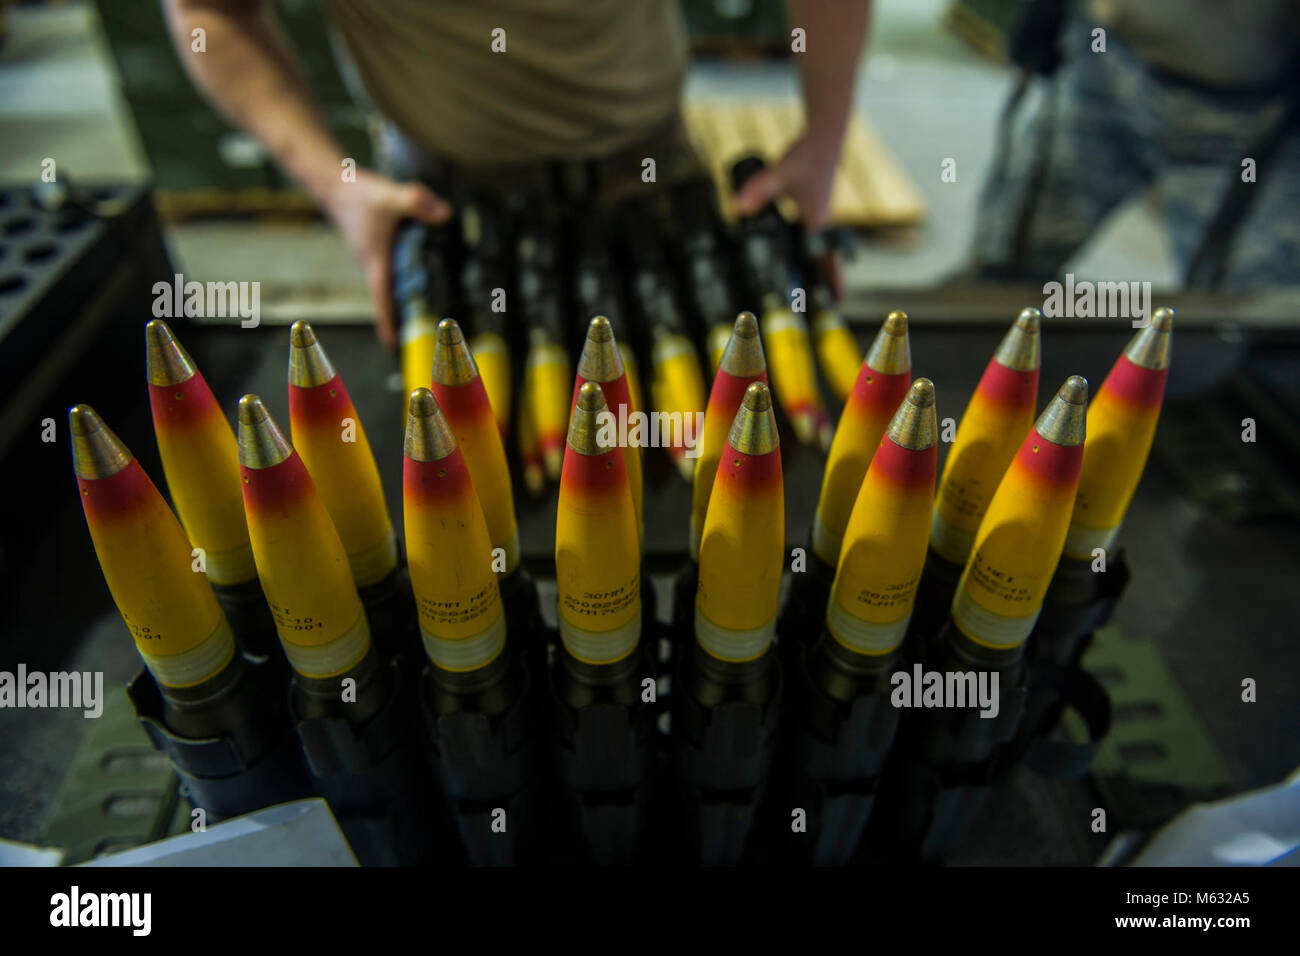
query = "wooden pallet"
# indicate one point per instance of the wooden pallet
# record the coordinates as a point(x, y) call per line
point(871, 190)
point(288, 204)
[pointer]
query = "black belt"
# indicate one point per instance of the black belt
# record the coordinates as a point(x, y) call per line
point(580, 180)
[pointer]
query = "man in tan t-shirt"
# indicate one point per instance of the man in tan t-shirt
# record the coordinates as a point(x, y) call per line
point(493, 84)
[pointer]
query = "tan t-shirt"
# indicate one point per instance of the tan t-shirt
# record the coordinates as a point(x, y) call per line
point(578, 79)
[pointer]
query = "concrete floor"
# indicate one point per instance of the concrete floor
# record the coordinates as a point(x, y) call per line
point(59, 98)
point(929, 95)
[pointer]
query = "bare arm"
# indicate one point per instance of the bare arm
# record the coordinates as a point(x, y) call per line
point(835, 32)
point(249, 73)
point(830, 68)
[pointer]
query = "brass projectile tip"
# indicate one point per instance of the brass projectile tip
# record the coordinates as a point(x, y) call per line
point(261, 443)
point(538, 337)
point(743, 356)
point(805, 427)
point(599, 330)
point(913, 425)
point(1063, 421)
point(921, 393)
point(600, 360)
point(452, 362)
point(309, 366)
point(757, 397)
point(584, 427)
point(428, 436)
point(1151, 347)
point(1020, 349)
point(553, 460)
point(754, 430)
point(421, 403)
point(449, 332)
point(166, 362)
point(301, 335)
point(96, 451)
point(534, 478)
point(891, 352)
point(1075, 390)
point(590, 397)
point(252, 410)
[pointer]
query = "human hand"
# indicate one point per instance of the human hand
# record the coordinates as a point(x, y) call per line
point(367, 211)
point(804, 174)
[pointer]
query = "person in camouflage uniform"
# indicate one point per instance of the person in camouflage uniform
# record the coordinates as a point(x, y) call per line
point(1200, 103)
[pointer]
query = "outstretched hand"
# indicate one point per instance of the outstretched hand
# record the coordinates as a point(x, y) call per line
point(804, 174)
point(367, 212)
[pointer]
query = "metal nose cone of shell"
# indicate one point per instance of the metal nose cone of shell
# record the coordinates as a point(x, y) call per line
point(428, 436)
point(309, 366)
point(261, 443)
point(1151, 347)
point(743, 356)
point(1021, 348)
point(584, 426)
point(753, 432)
point(1063, 421)
point(452, 362)
point(166, 361)
point(96, 451)
point(913, 426)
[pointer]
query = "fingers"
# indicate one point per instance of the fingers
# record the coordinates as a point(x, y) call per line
point(834, 275)
point(770, 184)
point(760, 189)
point(378, 278)
point(420, 202)
point(405, 201)
point(815, 213)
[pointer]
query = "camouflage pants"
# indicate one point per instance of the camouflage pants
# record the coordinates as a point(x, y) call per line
point(1109, 127)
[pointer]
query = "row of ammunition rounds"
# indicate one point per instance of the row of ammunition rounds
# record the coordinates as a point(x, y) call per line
point(770, 707)
point(978, 566)
point(666, 271)
point(1006, 511)
point(313, 536)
